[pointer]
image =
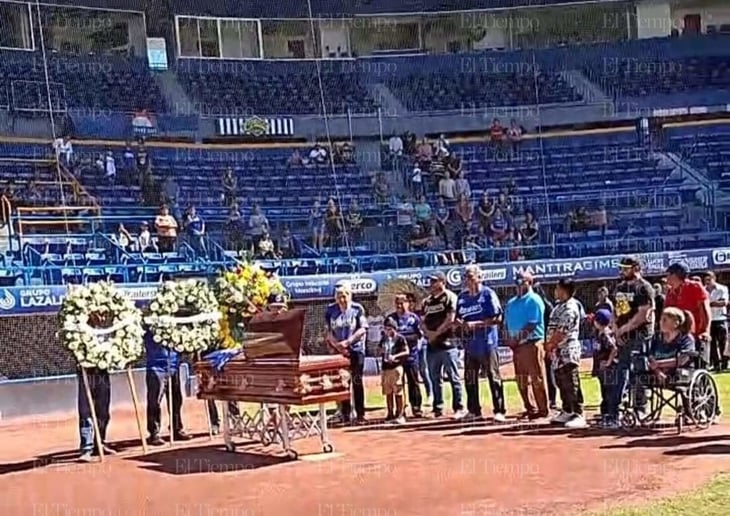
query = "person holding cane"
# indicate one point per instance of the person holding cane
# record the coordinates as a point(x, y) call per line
point(99, 385)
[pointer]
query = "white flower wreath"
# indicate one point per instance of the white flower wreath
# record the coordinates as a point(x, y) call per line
point(101, 326)
point(184, 316)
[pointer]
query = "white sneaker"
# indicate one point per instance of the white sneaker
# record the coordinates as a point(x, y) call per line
point(399, 421)
point(460, 414)
point(561, 418)
point(576, 422)
point(500, 418)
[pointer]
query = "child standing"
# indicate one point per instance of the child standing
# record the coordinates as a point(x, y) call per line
point(607, 358)
point(395, 352)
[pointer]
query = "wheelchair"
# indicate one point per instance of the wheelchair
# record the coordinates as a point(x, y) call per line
point(690, 392)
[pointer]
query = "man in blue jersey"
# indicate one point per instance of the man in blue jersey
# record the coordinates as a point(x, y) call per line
point(409, 327)
point(439, 314)
point(524, 317)
point(347, 327)
point(478, 313)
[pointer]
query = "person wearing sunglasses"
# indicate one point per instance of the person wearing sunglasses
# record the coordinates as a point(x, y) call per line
point(524, 317)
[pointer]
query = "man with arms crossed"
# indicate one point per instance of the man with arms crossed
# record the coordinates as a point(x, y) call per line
point(525, 325)
point(634, 307)
point(719, 298)
point(478, 313)
point(439, 314)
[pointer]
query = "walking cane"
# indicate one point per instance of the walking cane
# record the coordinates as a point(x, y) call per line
point(169, 402)
point(135, 403)
point(94, 419)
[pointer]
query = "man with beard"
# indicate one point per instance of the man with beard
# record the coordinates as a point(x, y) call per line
point(634, 310)
point(439, 313)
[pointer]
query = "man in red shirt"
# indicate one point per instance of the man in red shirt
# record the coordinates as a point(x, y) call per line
point(689, 295)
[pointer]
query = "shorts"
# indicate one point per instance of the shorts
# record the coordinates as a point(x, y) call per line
point(392, 380)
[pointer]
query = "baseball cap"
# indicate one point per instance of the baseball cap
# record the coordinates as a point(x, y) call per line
point(437, 276)
point(629, 261)
point(678, 269)
point(603, 317)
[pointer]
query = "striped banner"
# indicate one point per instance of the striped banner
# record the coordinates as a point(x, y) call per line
point(255, 126)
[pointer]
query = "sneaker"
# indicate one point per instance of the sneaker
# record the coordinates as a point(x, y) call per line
point(561, 418)
point(576, 422)
point(611, 424)
point(215, 429)
point(418, 414)
point(437, 414)
point(108, 450)
point(460, 414)
point(86, 457)
point(470, 416)
point(500, 418)
point(399, 421)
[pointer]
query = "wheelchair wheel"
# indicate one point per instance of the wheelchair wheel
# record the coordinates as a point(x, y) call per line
point(702, 399)
point(627, 419)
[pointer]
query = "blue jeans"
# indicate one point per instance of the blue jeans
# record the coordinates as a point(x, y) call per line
point(100, 387)
point(423, 370)
point(440, 361)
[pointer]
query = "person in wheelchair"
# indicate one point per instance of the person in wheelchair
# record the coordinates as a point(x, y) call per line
point(673, 349)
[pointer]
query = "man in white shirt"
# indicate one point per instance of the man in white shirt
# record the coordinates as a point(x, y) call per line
point(417, 181)
point(719, 298)
point(66, 151)
point(395, 145)
point(447, 188)
point(110, 167)
point(318, 154)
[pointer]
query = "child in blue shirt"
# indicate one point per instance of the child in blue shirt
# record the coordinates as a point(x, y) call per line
point(606, 358)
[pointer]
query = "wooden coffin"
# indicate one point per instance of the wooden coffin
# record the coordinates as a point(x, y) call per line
point(272, 370)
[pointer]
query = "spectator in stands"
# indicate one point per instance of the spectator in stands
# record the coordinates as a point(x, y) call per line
point(462, 186)
point(496, 134)
point(404, 213)
point(236, 228)
point(354, 222)
point(417, 181)
point(382, 189)
point(295, 160)
point(530, 229)
point(334, 228)
point(442, 220)
point(395, 145)
point(195, 227)
point(569, 222)
point(525, 327)
point(122, 238)
point(441, 148)
point(144, 163)
point(447, 188)
point(346, 153)
point(410, 144)
point(485, 211)
point(266, 249)
point(150, 190)
point(287, 244)
point(505, 203)
point(498, 227)
point(424, 153)
point(514, 135)
point(604, 302)
point(258, 224)
point(600, 219)
point(453, 166)
point(230, 187)
point(145, 244)
point(582, 219)
point(464, 212)
point(423, 213)
point(515, 243)
point(316, 224)
point(65, 152)
point(318, 155)
point(166, 227)
point(128, 159)
point(110, 167)
point(419, 239)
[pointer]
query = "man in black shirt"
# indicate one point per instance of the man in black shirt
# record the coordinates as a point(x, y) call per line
point(439, 313)
point(634, 310)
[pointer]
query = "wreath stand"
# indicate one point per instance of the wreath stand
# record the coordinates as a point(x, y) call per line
point(103, 332)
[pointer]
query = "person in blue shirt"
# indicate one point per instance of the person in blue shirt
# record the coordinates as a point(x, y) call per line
point(195, 227)
point(524, 317)
point(478, 314)
point(163, 366)
point(672, 347)
point(346, 332)
point(408, 325)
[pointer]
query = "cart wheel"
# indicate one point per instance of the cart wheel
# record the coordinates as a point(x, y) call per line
point(328, 448)
point(231, 447)
point(292, 454)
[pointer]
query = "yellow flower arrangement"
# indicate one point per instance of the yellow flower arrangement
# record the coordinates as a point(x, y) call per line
point(242, 292)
